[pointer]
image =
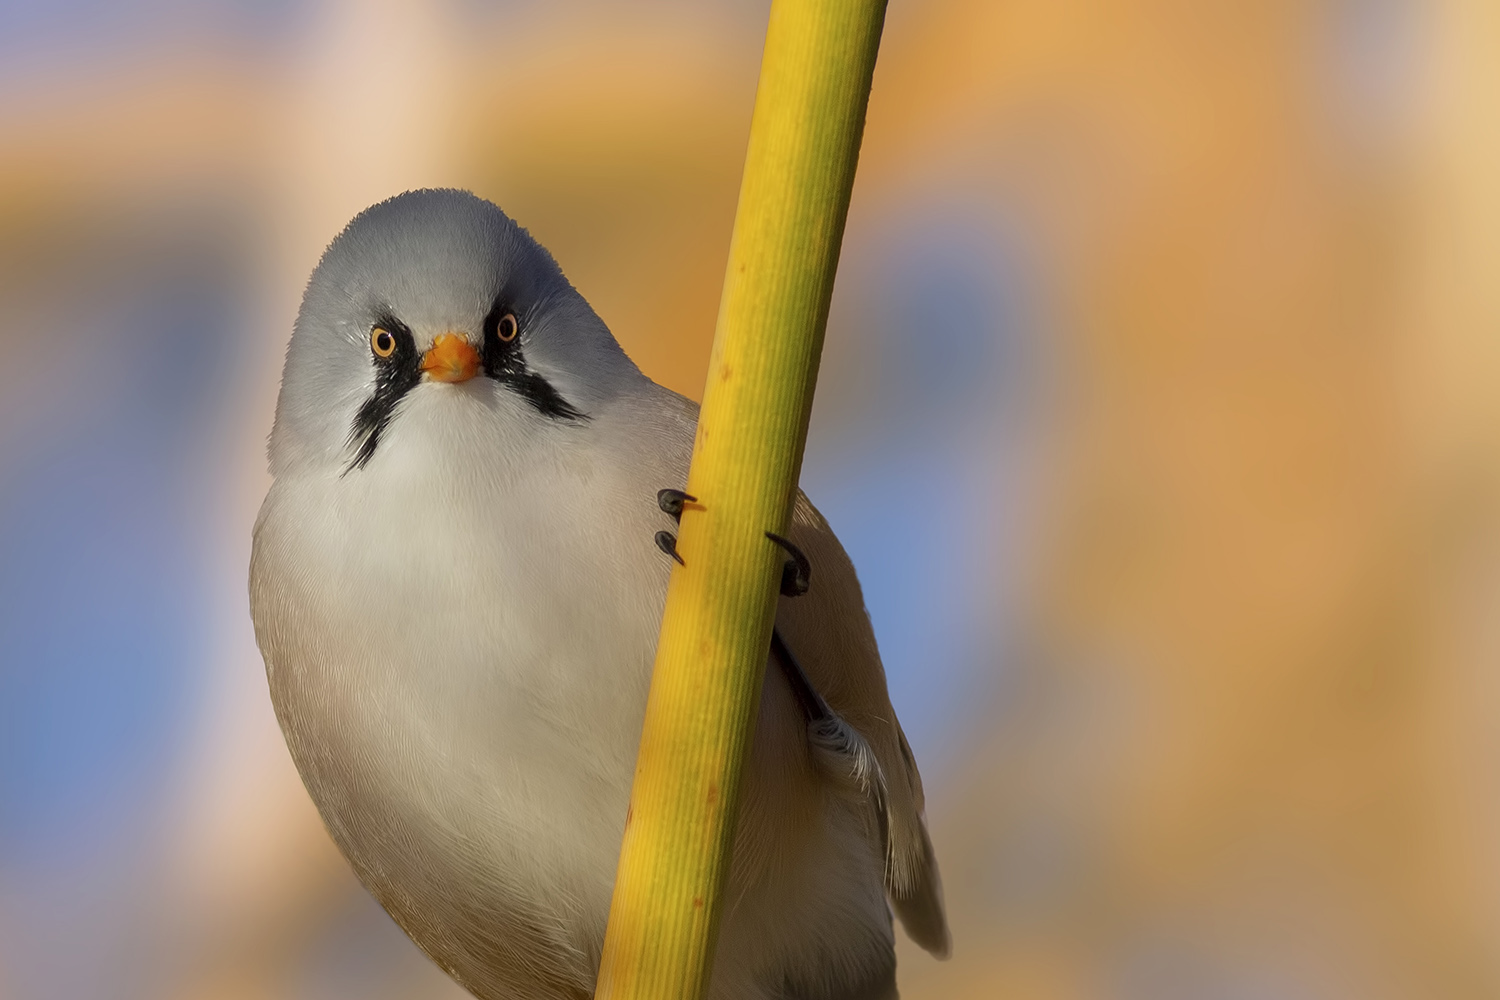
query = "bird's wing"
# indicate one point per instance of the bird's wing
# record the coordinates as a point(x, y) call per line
point(829, 632)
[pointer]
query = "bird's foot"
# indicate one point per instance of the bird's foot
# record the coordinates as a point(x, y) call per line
point(796, 572)
point(667, 542)
point(672, 501)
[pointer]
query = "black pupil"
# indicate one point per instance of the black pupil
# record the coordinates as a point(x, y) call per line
point(507, 327)
point(383, 342)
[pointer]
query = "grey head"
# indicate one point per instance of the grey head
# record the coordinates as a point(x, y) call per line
point(432, 287)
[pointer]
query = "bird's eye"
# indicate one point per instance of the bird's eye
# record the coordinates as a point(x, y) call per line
point(507, 328)
point(382, 343)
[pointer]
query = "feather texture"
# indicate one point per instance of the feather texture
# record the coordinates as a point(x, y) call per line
point(830, 631)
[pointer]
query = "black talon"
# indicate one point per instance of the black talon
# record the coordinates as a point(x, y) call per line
point(667, 542)
point(671, 501)
point(796, 572)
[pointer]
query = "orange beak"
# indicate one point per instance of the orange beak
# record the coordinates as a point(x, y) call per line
point(451, 359)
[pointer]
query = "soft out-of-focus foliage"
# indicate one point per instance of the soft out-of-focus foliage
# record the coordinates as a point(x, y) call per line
point(1159, 411)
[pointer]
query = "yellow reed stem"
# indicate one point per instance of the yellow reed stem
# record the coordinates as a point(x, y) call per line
point(705, 691)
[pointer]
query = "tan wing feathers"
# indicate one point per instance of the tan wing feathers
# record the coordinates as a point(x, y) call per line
point(829, 631)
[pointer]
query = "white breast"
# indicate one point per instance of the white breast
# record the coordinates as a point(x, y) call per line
point(459, 639)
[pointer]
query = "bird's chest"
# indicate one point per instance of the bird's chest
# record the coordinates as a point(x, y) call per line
point(484, 628)
point(461, 676)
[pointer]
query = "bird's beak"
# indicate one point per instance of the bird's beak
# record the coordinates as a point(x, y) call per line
point(451, 359)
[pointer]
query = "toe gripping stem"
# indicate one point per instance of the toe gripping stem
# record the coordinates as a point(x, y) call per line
point(796, 572)
point(667, 542)
point(671, 502)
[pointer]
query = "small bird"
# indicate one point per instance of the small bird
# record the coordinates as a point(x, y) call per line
point(457, 580)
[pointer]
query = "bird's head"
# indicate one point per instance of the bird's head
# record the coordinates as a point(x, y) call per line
point(434, 295)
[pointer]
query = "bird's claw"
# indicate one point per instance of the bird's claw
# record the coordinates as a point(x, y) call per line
point(796, 572)
point(672, 501)
point(667, 542)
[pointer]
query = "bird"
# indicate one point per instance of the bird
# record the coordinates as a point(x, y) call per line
point(456, 582)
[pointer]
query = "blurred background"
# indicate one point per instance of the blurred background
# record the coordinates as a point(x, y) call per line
point(1160, 411)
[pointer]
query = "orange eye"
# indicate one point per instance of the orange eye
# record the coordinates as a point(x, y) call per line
point(382, 343)
point(507, 328)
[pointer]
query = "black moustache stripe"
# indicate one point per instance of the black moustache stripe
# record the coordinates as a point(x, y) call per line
point(532, 387)
point(504, 362)
point(394, 378)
